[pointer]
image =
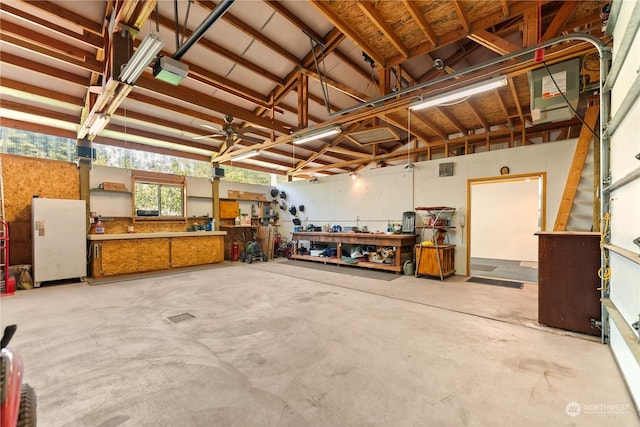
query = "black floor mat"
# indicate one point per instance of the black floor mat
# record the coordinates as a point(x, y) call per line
point(496, 282)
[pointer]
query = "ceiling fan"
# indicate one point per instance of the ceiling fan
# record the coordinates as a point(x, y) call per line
point(230, 132)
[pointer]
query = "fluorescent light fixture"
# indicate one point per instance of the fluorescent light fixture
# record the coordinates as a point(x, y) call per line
point(459, 94)
point(99, 123)
point(316, 134)
point(150, 47)
point(246, 155)
point(169, 70)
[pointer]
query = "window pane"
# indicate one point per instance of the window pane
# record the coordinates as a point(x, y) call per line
point(171, 201)
point(147, 196)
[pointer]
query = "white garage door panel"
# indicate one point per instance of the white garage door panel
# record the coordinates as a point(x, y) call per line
point(628, 364)
point(632, 61)
point(625, 214)
point(625, 292)
point(624, 148)
point(624, 201)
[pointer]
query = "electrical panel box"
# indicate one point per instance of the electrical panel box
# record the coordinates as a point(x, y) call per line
point(548, 87)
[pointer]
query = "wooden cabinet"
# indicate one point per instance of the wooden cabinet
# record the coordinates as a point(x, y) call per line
point(187, 251)
point(131, 256)
point(229, 209)
point(183, 252)
point(153, 254)
point(568, 282)
point(435, 261)
point(117, 258)
point(210, 250)
point(112, 254)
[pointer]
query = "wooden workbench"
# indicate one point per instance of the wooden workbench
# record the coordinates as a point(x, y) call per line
point(402, 243)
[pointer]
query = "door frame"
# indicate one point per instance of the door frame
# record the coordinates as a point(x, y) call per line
point(541, 176)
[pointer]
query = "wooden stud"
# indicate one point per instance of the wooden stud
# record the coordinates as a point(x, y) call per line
point(379, 21)
point(420, 20)
point(477, 114)
point(462, 16)
point(303, 102)
point(514, 93)
point(559, 21)
point(530, 28)
point(335, 19)
point(452, 120)
point(493, 42)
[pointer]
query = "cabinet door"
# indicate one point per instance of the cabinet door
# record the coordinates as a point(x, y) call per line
point(153, 254)
point(210, 249)
point(229, 209)
point(429, 260)
point(184, 251)
point(119, 257)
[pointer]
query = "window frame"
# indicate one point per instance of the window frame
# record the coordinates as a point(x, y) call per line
point(160, 179)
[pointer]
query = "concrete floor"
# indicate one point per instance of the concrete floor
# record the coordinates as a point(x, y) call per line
point(279, 345)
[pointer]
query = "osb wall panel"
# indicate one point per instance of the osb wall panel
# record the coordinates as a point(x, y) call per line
point(153, 254)
point(183, 251)
point(210, 249)
point(24, 177)
point(119, 256)
point(120, 225)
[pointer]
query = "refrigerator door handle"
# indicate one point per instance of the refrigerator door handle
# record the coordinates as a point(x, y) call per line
point(40, 227)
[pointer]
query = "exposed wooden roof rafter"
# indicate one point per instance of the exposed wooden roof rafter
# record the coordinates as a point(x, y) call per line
point(369, 9)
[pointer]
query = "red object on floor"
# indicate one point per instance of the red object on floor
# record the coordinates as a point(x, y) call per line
point(234, 251)
point(10, 286)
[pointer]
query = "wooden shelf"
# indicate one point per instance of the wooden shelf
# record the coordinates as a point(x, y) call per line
point(442, 227)
point(398, 241)
point(100, 190)
point(247, 200)
point(365, 264)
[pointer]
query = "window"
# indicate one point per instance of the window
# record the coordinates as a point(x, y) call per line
point(158, 195)
point(33, 144)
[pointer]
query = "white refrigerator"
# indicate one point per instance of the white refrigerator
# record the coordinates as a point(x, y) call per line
point(59, 239)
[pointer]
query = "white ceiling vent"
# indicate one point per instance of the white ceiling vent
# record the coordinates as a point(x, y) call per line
point(374, 135)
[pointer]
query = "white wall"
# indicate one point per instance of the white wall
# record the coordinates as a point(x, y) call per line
point(375, 197)
point(110, 204)
point(504, 218)
point(384, 194)
point(378, 195)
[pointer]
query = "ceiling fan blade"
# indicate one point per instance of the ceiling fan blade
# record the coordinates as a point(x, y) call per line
point(217, 129)
point(212, 135)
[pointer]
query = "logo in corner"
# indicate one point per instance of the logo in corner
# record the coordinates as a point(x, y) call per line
point(573, 409)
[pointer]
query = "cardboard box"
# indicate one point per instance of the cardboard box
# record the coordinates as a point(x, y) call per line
point(114, 186)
